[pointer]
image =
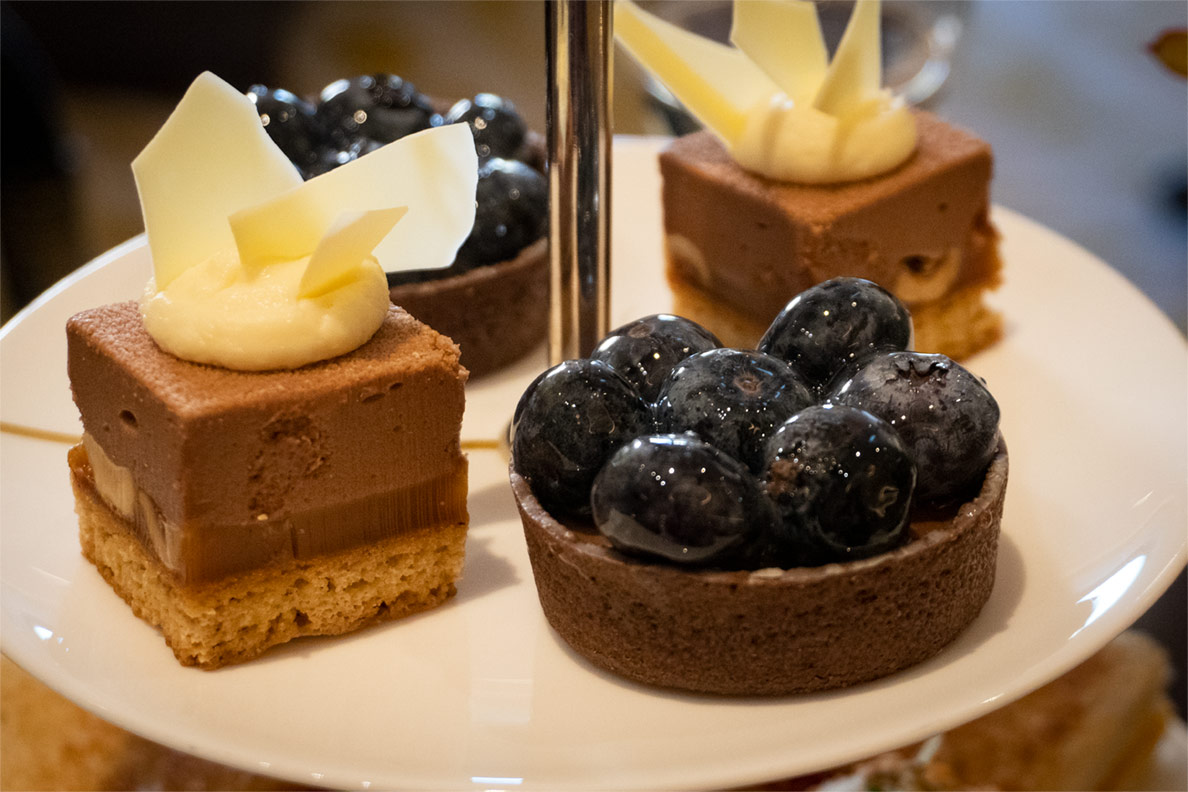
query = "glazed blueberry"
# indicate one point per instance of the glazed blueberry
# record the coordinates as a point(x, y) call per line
point(842, 482)
point(379, 107)
point(498, 129)
point(646, 351)
point(291, 122)
point(678, 499)
point(945, 415)
point(327, 159)
point(523, 400)
point(511, 212)
point(836, 323)
point(572, 420)
point(732, 398)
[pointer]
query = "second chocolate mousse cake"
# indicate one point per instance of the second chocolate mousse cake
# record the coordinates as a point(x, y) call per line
point(239, 510)
point(809, 169)
point(739, 246)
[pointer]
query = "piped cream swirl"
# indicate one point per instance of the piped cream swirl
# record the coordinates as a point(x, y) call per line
point(252, 319)
point(788, 142)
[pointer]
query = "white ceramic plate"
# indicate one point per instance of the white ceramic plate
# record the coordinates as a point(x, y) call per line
point(481, 694)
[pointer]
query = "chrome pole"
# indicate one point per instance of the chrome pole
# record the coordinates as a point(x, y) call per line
point(580, 126)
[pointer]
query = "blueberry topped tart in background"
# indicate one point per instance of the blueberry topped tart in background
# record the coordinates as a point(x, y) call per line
point(818, 512)
point(488, 301)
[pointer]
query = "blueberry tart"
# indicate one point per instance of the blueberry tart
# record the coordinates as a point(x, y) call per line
point(801, 517)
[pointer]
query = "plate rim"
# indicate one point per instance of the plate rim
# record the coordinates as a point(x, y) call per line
point(1057, 663)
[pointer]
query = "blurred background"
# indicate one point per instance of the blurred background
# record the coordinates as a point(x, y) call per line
point(1088, 123)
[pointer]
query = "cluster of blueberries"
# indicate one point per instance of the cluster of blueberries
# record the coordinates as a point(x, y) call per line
point(354, 117)
point(808, 450)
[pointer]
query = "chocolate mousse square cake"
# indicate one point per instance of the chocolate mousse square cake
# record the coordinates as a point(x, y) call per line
point(238, 510)
point(740, 245)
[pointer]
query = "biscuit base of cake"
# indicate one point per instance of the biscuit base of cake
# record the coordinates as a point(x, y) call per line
point(239, 617)
point(773, 631)
point(958, 326)
point(50, 743)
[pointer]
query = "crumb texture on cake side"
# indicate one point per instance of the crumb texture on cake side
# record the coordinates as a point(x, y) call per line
point(1096, 727)
point(1071, 735)
point(49, 743)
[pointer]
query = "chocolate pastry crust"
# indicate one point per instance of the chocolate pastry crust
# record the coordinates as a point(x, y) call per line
point(769, 632)
point(494, 313)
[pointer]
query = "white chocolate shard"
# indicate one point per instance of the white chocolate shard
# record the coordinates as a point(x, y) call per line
point(350, 240)
point(855, 74)
point(776, 106)
point(255, 269)
point(434, 173)
point(211, 158)
point(717, 84)
point(783, 37)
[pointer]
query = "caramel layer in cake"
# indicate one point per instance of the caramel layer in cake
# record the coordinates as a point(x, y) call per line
point(740, 246)
point(195, 482)
point(196, 552)
point(768, 632)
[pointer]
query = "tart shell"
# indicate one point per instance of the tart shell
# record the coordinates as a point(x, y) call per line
point(493, 312)
point(769, 632)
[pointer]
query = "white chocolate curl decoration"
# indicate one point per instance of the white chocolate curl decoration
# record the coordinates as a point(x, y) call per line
point(781, 107)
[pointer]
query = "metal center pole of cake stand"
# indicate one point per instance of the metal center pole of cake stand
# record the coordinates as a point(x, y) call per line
point(579, 130)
